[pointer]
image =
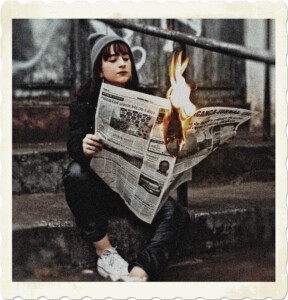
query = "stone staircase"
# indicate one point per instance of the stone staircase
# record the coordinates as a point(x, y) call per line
point(231, 202)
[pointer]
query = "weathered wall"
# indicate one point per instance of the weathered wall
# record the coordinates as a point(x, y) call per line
point(255, 37)
point(51, 59)
point(41, 53)
point(47, 53)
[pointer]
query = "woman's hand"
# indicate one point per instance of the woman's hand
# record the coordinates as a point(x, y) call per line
point(91, 145)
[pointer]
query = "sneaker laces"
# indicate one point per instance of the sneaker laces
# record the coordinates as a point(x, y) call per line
point(113, 258)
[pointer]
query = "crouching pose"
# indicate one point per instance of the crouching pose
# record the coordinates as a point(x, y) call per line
point(91, 201)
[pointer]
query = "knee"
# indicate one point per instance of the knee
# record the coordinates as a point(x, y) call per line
point(175, 212)
point(184, 217)
point(181, 215)
point(180, 220)
point(74, 173)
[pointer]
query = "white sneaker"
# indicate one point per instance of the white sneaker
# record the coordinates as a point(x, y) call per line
point(112, 265)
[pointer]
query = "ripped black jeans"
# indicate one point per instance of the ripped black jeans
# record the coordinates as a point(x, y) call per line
point(92, 202)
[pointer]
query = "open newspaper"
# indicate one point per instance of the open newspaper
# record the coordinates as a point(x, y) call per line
point(135, 162)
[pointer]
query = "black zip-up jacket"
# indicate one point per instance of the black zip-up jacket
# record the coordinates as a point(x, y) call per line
point(81, 122)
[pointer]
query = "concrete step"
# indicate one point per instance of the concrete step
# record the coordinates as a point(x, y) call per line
point(45, 236)
point(237, 265)
point(38, 168)
point(40, 123)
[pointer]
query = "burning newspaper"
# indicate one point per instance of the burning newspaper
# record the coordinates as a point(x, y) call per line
point(135, 161)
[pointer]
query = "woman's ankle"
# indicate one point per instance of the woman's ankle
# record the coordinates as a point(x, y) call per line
point(101, 245)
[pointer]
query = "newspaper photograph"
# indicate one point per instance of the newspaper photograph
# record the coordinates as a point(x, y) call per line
point(135, 161)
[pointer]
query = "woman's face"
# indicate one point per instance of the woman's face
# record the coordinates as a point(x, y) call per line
point(116, 70)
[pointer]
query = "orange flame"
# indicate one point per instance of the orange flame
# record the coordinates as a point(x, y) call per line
point(176, 121)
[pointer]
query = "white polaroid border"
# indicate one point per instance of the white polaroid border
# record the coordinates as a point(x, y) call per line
point(151, 9)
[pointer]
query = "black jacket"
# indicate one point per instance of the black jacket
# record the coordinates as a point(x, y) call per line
point(81, 122)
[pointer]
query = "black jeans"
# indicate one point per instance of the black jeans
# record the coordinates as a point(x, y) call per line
point(92, 202)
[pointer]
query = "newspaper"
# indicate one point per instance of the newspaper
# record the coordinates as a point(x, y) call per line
point(135, 162)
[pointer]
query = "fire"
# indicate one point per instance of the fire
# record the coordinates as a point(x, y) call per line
point(176, 121)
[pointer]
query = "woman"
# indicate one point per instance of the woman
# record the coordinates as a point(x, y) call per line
point(91, 201)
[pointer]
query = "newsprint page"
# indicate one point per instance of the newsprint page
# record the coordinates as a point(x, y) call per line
point(135, 162)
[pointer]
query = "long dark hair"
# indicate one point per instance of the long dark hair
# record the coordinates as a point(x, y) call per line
point(89, 90)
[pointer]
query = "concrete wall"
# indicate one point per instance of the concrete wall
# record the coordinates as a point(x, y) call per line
point(255, 37)
point(51, 59)
point(55, 53)
point(41, 52)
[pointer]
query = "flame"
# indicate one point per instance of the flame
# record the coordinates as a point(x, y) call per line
point(176, 121)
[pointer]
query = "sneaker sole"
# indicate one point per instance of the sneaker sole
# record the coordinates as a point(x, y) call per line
point(106, 275)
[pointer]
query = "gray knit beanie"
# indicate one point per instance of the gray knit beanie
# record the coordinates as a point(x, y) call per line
point(98, 41)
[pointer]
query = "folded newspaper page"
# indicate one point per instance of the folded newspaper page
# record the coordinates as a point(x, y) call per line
point(135, 162)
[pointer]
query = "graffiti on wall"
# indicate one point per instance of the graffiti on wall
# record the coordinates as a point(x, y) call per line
point(41, 54)
point(195, 27)
point(18, 64)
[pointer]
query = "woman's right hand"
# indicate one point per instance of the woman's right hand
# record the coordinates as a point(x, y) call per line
point(91, 145)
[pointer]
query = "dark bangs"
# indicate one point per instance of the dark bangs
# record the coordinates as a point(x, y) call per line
point(119, 49)
point(89, 91)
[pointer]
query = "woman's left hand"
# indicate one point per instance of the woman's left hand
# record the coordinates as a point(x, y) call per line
point(91, 145)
